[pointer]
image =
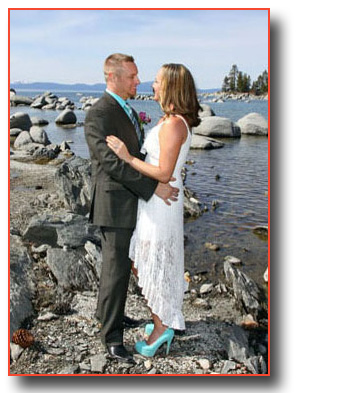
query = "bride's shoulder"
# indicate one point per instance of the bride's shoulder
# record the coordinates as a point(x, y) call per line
point(176, 122)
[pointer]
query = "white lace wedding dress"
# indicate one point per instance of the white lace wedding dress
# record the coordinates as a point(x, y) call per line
point(157, 245)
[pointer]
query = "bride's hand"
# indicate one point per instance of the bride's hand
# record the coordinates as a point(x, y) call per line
point(118, 147)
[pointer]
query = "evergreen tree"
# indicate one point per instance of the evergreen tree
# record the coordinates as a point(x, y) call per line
point(240, 82)
point(226, 85)
point(233, 78)
point(243, 83)
point(260, 86)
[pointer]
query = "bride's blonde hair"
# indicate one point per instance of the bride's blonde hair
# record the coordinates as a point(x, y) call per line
point(178, 93)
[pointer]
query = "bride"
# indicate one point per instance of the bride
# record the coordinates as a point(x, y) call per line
point(157, 245)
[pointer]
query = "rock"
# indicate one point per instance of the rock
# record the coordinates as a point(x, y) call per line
point(39, 102)
point(21, 284)
point(38, 122)
point(238, 345)
point(15, 351)
point(253, 124)
point(39, 135)
point(206, 111)
point(47, 316)
point(15, 132)
point(70, 269)
point(205, 364)
point(248, 322)
point(64, 146)
point(202, 142)
point(22, 140)
point(211, 246)
point(261, 231)
point(206, 288)
point(66, 117)
point(256, 365)
point(233, 260)
point(41, 249)
point(227, 366)
point(148, 364)
point(44, 152)
point(191, 205)
point(73, 180)
point(20, 100)
point(215, 126)
point(266, 275)
point(20, 120)
point(62, 229)
point(69, 370)
point(49, 106)
point(245, 290)
point(201, 303)
point(98, 363)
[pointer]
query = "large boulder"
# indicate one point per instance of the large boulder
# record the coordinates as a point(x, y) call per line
point(246, 292)
point(253, 124)
point(39, 135)
point(23, 140)
point(21, 283)
point(73, 180)
point(66, 117)
point(20, 120)
point(61, 230)
point(202, 142)
point(71, 269)
point(14, 132)
point(215, 126)
point(39, 102)
point(206, 111)
point(20, 100)
point(240, 351)
point(36, 121)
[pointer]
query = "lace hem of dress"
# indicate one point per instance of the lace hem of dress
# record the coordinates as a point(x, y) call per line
point(161, 262)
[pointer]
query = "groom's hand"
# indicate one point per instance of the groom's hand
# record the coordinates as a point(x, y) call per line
point(167, 192)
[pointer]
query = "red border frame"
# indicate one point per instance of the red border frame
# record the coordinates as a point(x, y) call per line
point(269, 128)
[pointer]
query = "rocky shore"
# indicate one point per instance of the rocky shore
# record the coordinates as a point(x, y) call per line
point(55, 261)
point(55, 264)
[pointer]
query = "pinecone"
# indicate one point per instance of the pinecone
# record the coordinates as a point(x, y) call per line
point(23, 338)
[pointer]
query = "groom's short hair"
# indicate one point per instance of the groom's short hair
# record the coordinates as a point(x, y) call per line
point(114, 62)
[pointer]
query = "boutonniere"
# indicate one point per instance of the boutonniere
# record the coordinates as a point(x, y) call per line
point(144, 119)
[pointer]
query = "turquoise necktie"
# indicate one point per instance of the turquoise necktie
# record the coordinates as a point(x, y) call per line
point(135, 122)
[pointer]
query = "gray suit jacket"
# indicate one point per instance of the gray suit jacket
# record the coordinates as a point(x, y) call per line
point(116, 186)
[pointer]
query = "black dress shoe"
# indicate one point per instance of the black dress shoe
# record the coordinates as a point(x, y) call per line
point(117, 351)
point(129, 322)
point(179, 332)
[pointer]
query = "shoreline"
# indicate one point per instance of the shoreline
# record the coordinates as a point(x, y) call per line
point(61, 317)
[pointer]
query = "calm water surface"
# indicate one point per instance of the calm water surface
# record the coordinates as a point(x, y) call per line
point(240, 187)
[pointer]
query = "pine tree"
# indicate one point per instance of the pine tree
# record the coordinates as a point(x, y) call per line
point(260, 86)
point(233, 78)
point(243, 83)
point(226, 85)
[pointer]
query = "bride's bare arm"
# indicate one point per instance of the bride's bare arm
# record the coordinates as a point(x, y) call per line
point(171, 136)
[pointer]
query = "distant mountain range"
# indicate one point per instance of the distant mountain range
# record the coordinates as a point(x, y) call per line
point(144, 87)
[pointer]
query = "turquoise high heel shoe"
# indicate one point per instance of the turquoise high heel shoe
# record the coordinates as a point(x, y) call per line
point(149, 350)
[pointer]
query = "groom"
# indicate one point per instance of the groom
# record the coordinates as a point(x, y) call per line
point(116, 187)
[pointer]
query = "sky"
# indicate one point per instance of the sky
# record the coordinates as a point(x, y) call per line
point(69, 46)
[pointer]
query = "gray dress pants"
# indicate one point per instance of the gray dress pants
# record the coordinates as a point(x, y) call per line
point(116, 268)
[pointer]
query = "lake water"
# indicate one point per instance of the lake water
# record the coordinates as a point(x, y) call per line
point(240, 189)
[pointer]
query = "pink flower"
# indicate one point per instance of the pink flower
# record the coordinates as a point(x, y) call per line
point(144, 118)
